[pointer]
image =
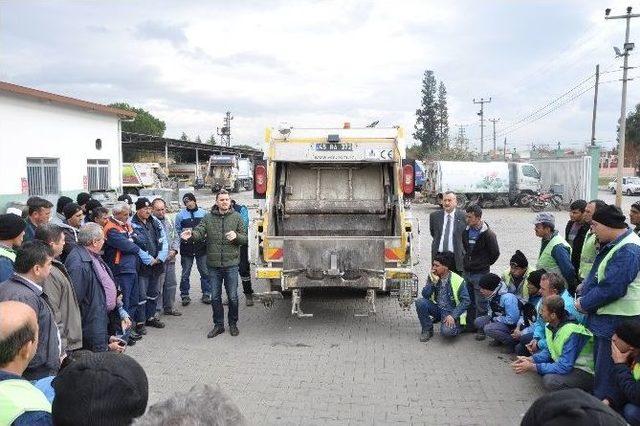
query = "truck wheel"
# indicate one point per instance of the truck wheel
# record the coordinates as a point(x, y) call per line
point(462, 201)
point(613, 191)
point(629, 192)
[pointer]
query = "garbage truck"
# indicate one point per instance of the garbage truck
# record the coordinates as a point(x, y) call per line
point(332, 214)
point(222, 173)
point(489, 184)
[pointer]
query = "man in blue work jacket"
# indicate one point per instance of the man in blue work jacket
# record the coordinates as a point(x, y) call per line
point(611, 291)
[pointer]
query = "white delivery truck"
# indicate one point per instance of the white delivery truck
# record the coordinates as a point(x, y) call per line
point(245, 173)
point(486, 183)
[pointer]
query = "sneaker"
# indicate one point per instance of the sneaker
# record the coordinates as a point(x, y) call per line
point(141, 329)
point(206, 299)
point(480, 336)
point(172, 312)
point(131, 342)
point(233, 330)
point(186, 300)
point(426, 335)
point(215, 331)
point(154, 322)
point(248, 299)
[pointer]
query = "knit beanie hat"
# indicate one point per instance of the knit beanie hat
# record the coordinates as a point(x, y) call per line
point(92, 204)
point(188, 197)
point(610, 216)
point(629, 332)
point(82, 198)
point(446, 259)
point(570, 407)
point(11, 226)
point(62, 201)
point(489, 281)
point(142, 202)
point(71, 209)
point(101, 388)
point(519, 259)
point(534, 277)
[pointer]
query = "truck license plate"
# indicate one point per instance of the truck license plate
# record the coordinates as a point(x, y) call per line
point(334, 146)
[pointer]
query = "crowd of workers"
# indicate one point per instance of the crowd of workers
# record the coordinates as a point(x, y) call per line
point(77, 288)
point(573, 317)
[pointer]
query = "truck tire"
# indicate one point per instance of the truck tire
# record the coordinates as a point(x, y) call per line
point(462, 201)
point(629, 193)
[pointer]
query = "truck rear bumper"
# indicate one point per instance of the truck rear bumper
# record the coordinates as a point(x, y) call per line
point(387, 279)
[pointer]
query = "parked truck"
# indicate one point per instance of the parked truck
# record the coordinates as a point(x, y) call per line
point(486, 183)
point(137, 176)
point(332, 214)
point(222, 173)
point(245, 173)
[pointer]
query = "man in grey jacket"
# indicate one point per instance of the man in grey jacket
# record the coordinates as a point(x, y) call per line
point(58, 288)
point(167, 282)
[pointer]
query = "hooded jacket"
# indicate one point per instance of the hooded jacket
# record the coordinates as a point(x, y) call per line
point(221, 253)
point(504, 306)
point(485, 251)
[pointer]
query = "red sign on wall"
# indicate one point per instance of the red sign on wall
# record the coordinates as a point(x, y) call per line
point(85, 182)
point(24, 186)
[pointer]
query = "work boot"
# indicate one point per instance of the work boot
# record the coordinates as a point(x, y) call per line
point(233, 330)
point(186, 300)
point(154, 322)
point(480, 336)
point(248, 298)
point(141, 329)
point(206, 299)
point(134, 336)
point(173, 312)
point(426, 335)
point(218, 329)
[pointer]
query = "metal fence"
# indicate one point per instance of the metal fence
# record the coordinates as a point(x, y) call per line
point(98, 174)
point(43, 176)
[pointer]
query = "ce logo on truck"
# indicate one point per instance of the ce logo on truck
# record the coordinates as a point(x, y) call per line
point(386, 154)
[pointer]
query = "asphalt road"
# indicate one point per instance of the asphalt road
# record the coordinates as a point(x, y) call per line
point(336, 368)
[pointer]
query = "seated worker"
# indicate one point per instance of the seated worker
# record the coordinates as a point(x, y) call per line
point(504, 311)
point(551, 283)
point(516, 276)
point(568, 360)
point(526, 325)
point(625, 352)
point(445, 298)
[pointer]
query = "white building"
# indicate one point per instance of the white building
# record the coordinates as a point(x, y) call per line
point(52, 145)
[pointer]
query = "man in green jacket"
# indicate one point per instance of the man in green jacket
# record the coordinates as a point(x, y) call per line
point(224, 232)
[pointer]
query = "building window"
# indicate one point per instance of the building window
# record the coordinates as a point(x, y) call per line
point(43, 176)
point(98, 144)
point(98, 174)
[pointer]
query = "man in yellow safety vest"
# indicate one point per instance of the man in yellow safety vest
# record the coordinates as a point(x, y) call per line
point(555, 252)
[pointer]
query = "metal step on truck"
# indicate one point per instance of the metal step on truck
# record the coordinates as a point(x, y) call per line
point(332, 214)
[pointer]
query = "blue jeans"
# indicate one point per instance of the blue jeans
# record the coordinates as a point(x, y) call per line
point(479, 305)
point(167, 287)
point(631, 414)
point(201, 262)
point(521, 348)
point(148, 286)
point(128, 284)
point(427, 309)
point(496, 330)
point(229, 277)
point(605, 385)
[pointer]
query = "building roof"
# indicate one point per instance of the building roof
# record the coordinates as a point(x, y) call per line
point(64, 100)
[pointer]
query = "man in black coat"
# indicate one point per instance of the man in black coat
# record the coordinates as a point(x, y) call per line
point(576, 230)
point(446, 227)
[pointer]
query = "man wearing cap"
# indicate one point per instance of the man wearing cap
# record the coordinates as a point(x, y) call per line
point(39, 213)
point(555, 252)
point(189, 218)
point(591, 244)
point(516, 276)
point(12, 230)
point(103, 388)
point(445, 298)
point(21, 403)
point(503, 315)
point(576, 230)
point(625, 351)
point(611, 291)
point(634, 217)
point(150, 237)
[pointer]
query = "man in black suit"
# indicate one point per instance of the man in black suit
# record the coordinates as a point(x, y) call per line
point(446, 227)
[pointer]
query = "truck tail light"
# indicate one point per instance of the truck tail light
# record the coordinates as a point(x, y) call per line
point(260, 179)
point(408, 178)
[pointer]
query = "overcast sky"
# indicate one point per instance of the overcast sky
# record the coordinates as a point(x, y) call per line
point(321, 63)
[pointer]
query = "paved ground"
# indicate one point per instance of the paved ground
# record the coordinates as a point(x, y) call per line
point(335, 368)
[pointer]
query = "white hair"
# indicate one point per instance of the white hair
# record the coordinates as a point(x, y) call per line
point(119, 207)
point(88, 233)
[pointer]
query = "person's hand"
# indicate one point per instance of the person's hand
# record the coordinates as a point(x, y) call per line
point(522, 365)
point(186, 234)
point(172, 254)
point(449, 321)
point(579, 288)
point(618, 356)
point(532, 346)
point(606, 402)
point(155, 261)
point(516, 334)
point(126, 323)
point(231, 235)
point(115, 345)
point(578, 306)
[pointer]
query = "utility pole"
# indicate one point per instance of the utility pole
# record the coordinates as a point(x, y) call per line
point(595, 107)
point(505, 148)
point(482, 101)
point(225, 131)
point(627, 48)
point(494, 121)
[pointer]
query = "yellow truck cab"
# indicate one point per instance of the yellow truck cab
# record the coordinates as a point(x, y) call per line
point(332, 213)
